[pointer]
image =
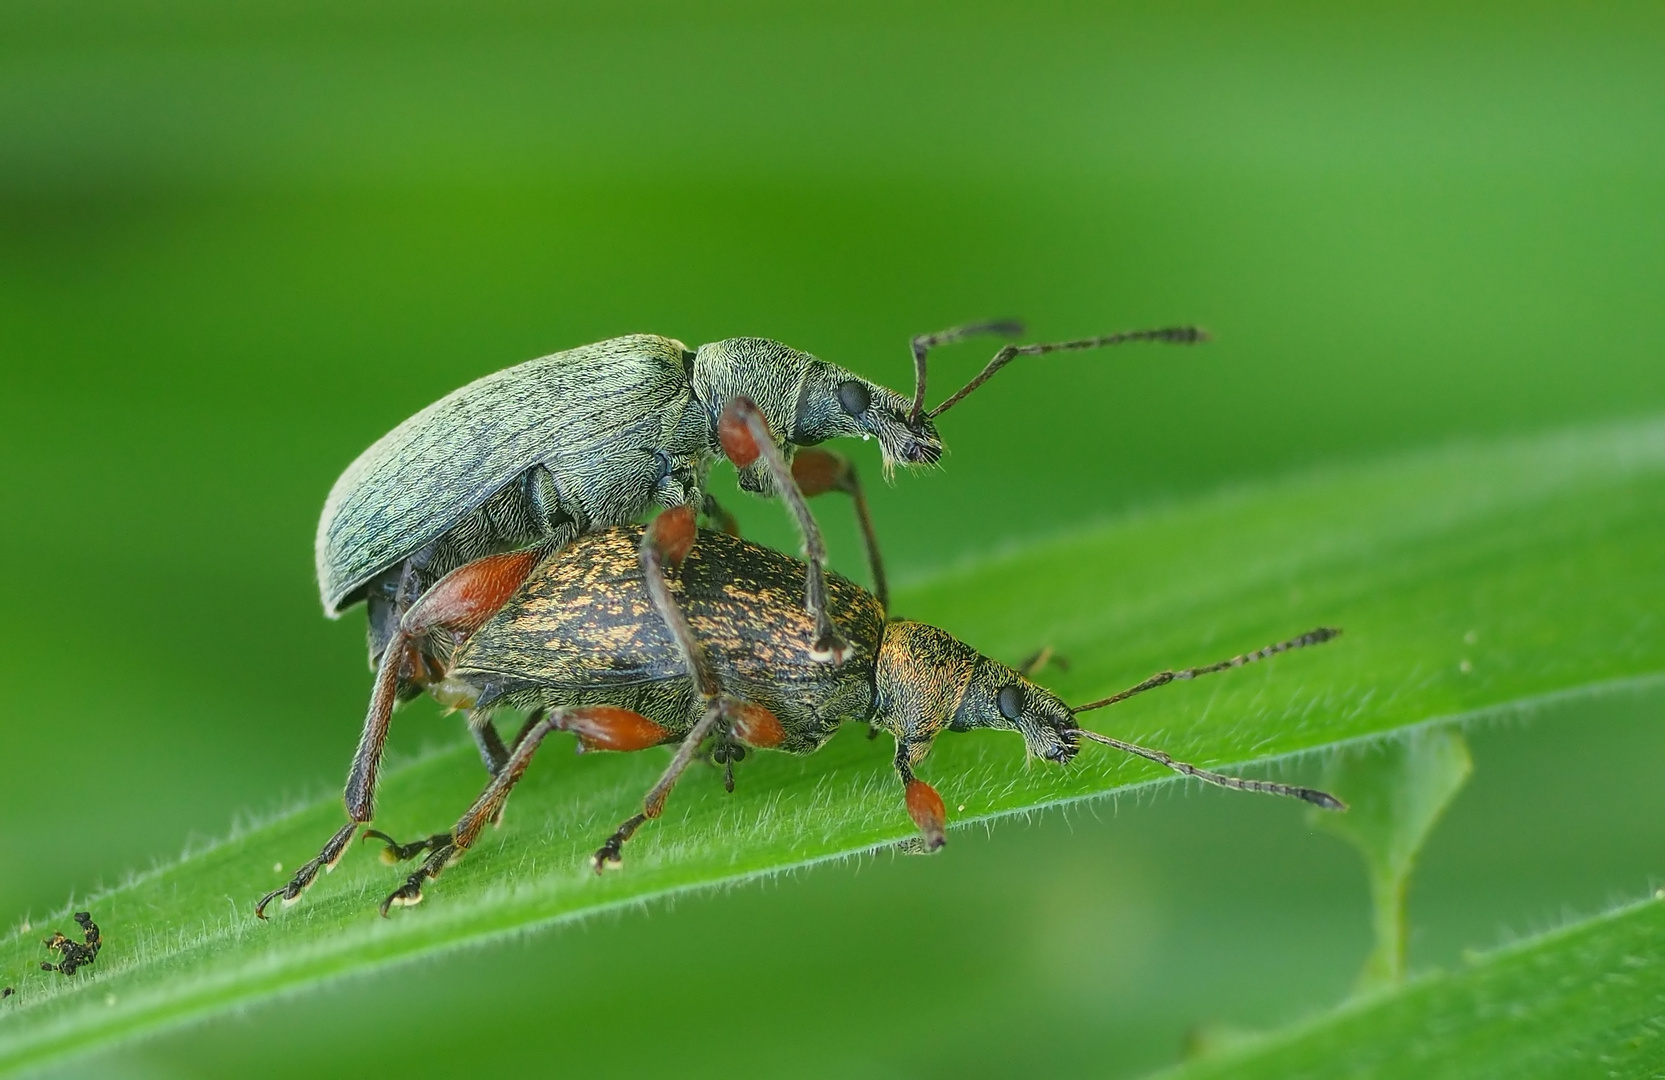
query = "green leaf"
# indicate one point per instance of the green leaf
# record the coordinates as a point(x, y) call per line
point(1583, 1001)
point(1395, 792)
point(1467, 579)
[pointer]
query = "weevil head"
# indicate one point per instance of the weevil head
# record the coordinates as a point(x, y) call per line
point(808, 401)
point(837, 402)
point(928, 681)
point(999, 697)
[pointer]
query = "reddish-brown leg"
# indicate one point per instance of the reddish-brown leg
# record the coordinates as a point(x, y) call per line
point(925, 806)
point(598, 727)
point(459, 603)
point(611, 854)
point(745, 437)
point(818, 471)
point(667, 542)
point(749, 725)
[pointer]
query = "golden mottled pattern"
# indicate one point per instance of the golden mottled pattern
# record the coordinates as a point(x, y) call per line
point(922, 675)
point(583, 630)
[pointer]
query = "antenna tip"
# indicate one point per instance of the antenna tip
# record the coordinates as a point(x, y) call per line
point(1321, 798)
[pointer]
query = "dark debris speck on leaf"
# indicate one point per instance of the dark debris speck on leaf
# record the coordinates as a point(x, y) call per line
point(75, 954)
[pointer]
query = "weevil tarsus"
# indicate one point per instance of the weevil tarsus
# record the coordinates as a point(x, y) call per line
point(458, 604)
point(395, 852)
point(303, 878)
point(611, 854)
point(597, 726)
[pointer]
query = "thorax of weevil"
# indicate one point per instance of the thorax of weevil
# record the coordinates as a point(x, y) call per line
point(583, 630)
point(771, 375)
point(920, 679)
point(630, 418)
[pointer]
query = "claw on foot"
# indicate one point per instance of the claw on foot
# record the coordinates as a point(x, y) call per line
point(407, 895)
point(291, 896)
point(308, 873)
point(260, 908)
point(607, 858)
point(396, 852)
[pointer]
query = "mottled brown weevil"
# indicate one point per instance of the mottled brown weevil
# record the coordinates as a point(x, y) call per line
point(76, 954)
point(440, 520)
point(586, 645)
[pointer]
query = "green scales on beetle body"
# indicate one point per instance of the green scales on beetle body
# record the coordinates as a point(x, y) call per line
point(583, 645)
point(498, 476)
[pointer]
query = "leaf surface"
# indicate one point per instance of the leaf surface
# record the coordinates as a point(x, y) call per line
point(1468, 579)
point(1582, 1001)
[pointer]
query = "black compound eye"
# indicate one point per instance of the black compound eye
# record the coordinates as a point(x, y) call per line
point(854, 397)
point(1010, 701)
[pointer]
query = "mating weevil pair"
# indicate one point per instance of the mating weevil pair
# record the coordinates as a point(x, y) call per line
point(440, 523)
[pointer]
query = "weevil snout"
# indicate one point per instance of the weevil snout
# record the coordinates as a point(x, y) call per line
point(837, 403)
point(901, 441)
point(1048, 727)
point(1055, 744)
point(923, 446)
point(1064, 751)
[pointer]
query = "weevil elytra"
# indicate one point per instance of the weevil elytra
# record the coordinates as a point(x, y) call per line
point(583, 644)
point(440, 520)
point(76, 954)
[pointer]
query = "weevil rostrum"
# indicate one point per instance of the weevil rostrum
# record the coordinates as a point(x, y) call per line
point(584, 645)
point(495, 477)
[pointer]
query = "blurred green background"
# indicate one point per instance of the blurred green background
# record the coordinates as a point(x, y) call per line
point(238, 242)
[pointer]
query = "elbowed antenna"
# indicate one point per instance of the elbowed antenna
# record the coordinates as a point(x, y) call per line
point(1268, 787)
point(925, 342)
point(1162, 678)
point(1172, 335)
